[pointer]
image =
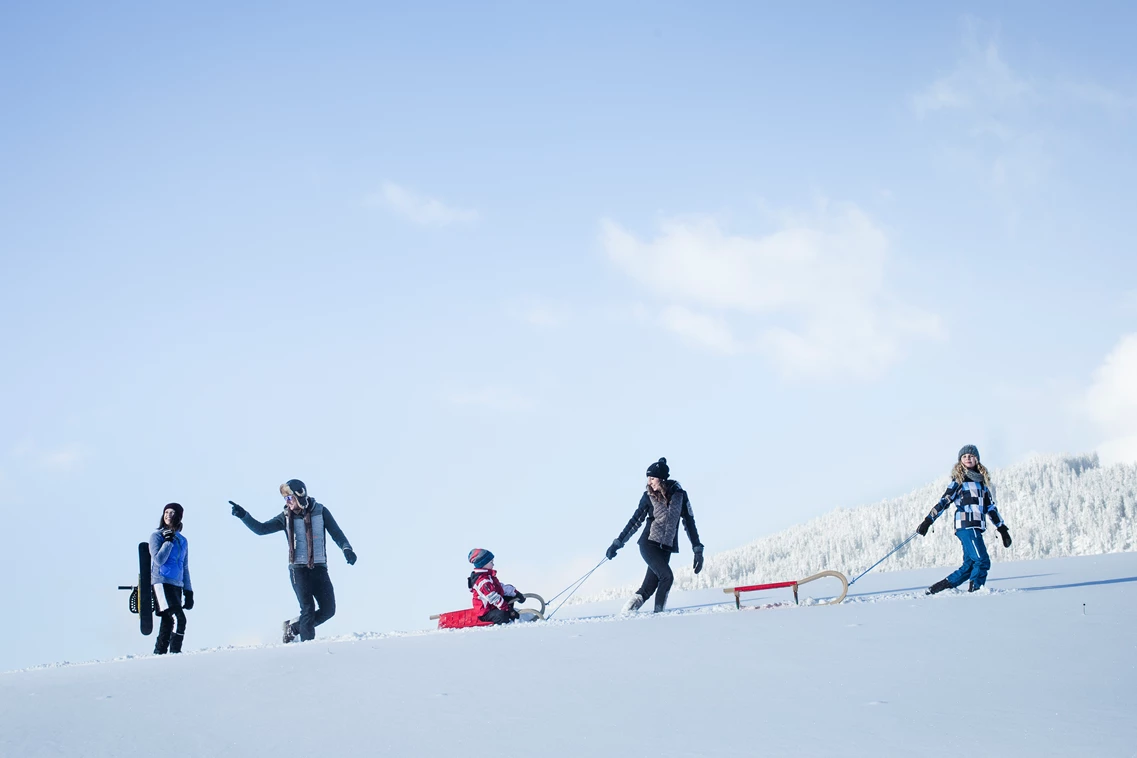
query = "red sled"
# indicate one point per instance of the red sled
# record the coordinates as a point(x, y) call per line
point(469, 616)
point(460, 619)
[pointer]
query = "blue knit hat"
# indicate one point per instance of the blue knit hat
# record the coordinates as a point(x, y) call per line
point(480, 557)
point(968, 449)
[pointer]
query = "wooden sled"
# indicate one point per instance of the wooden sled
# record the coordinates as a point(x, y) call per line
point(737, 591)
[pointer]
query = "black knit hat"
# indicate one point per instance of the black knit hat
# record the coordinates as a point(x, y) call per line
point(178, 511)
point(968, 449)
point(659, 469)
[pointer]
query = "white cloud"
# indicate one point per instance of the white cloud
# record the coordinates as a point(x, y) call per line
point(700, 329)
point(811, 295)
point(491, 398)
point(981, 81)
point(420, 209)
point(999, 127)
point(1112, 402)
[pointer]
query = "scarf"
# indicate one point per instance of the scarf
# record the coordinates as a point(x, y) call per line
point(974, 475)
point(307, 533)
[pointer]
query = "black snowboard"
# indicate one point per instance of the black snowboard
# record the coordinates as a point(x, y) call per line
point(145, 590)
point(142, 595)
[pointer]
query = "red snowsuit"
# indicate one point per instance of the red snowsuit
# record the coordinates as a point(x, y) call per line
point(489, 593)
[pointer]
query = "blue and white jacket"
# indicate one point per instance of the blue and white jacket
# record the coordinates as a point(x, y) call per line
point(169, 561)
point(973, 501)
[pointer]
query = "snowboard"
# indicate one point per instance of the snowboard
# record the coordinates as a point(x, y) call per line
point(145, 590)
point(142, 594)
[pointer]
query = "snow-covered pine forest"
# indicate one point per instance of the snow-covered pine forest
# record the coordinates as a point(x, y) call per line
point(1055, 506)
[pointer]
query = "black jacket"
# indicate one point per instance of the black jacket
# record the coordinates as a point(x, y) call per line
point(645, 512)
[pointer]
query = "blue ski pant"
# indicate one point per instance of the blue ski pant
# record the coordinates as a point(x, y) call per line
point(976, 561)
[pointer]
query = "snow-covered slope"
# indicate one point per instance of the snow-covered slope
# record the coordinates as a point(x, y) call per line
point(1044, 663)
point(1055, 506)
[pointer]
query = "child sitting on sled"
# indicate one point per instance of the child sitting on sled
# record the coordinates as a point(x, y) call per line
point(493, 601)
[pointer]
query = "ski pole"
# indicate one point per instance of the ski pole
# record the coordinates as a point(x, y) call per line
point(574, 587)
point(882, 560)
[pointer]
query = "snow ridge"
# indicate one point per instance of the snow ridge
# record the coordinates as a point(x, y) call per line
point(1055, 506)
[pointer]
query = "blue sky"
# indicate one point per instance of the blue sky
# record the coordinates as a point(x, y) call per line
point(467, 271)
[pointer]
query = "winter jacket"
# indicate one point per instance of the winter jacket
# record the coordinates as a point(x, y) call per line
point(663, 522)
point(488, 592)
point(321, 520)
point(169, 561)
point(973, 501)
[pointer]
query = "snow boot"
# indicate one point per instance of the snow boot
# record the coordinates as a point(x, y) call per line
point(973, 587)
point(176, 642)
point(162, 644)
point(165, 629)
point(289, 630)
point(939, 586)
point(633, 603)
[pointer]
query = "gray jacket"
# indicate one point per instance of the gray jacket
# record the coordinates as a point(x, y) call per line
point(663, 522)
point(321, 520)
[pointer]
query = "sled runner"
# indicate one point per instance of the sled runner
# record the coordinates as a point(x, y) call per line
point(469, 616)
point(776, 585)
point(142, 595)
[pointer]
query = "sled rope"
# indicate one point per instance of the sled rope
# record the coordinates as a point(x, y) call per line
point(574, 587)
point(882, 560)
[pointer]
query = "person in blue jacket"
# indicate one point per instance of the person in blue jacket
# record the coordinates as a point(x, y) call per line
point(970, 492)
point(304, 522)
point(170, 575)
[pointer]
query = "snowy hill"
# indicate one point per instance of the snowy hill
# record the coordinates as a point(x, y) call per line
point(1054, 673)
point(1055, 506)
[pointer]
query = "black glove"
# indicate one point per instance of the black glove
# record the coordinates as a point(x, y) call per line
point(1005, 533)
point(698, 558)
point(611, 552)
point(514, 615)
point(922, 529)
point(237, 510)
point(349, 554)
point(519, 597)
point(188, 604)
point(168, 535)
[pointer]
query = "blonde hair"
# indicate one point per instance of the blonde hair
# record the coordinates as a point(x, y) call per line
point(959, 473)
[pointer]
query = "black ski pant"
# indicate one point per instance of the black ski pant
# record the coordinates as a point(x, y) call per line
point(168, 606)
point(496, 616)
point(313, 587)
point(659, 577)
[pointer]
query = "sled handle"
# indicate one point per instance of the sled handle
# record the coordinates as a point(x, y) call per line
point(539, 599)
point(821, 575)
